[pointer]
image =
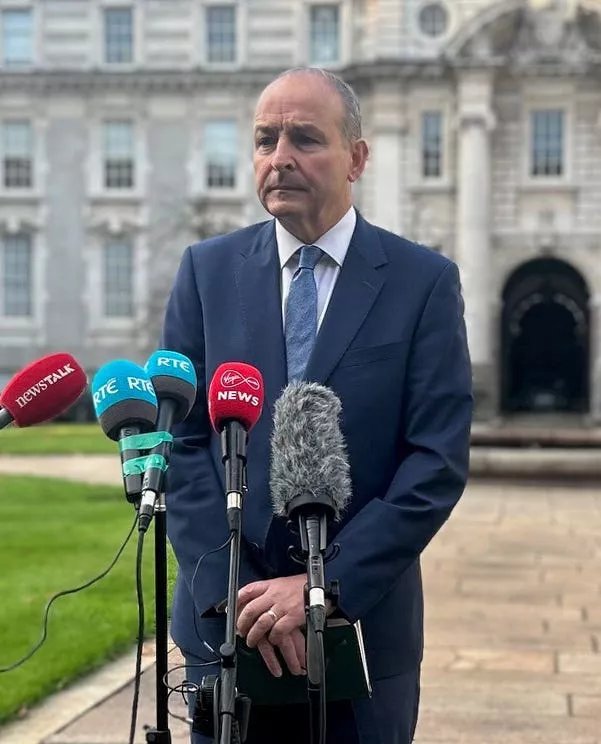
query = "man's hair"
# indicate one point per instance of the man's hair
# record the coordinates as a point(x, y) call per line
point(351, 119)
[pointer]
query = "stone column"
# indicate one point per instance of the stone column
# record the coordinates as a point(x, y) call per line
point(475, 123)
point(387, 155)
point(595, 359)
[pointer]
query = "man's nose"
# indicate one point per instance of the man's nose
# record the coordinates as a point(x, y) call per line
point(283, 156)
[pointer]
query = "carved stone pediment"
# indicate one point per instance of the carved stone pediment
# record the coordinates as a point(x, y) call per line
point(549, 35)
point(522, 34)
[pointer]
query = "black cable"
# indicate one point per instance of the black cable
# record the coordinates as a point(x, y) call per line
point(322, 691)
point(196, 568)
point(186, 688)
point(64, 593)
point(140, 646)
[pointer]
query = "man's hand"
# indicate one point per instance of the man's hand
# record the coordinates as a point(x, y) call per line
point(271, 613)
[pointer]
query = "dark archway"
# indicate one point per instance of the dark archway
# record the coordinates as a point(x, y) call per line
point(545, 339)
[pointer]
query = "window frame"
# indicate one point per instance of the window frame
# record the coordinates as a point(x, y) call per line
point(207, 8)
point(25, 65)
point(110, 241)
point(19, 321)
point(18, 188)
point(419, 103)
point(104, 10)
point(302, 22)
point(442, 164)
point(118, 163)
point(311, 59)
point(217, 189)
point(431, 5)
point(555, 99)
point(532, 145)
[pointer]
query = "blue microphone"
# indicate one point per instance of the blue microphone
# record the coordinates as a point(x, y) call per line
point(126, 406)
point(173, 377)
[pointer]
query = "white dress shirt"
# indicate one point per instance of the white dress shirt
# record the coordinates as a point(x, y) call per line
point(334, 244)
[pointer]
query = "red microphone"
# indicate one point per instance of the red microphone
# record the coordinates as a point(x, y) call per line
point(235, 404)
point(235, 394)
point(42, 390)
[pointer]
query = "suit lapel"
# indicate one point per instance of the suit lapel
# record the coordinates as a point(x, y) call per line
point(359, 283)
point(258, 281)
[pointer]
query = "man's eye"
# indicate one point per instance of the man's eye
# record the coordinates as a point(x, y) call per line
point(265, 141)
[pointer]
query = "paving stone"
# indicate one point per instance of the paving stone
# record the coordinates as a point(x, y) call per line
point(463, 608)
point(453, 727)
point(494, 660)
point(492, 691)
point(586, 705)
point(575, 663)
point(563, 684)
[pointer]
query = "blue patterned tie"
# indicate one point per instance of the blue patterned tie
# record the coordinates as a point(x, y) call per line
point(301, 313)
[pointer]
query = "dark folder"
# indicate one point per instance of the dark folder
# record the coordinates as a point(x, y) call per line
point(347, 676)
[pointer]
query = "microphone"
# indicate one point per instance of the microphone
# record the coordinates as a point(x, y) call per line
point(174, 380)
point(310, 475)
point(126, 406)
point(235, 399)
point(42, 390)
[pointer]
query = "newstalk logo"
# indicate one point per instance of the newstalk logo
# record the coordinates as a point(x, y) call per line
point(44, 384)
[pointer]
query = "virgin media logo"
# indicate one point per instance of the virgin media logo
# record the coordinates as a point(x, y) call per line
point(231, 378)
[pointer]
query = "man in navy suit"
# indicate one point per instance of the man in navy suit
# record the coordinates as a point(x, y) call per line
point(391, 343)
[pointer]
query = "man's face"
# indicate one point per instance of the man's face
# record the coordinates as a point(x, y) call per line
point(303, 164)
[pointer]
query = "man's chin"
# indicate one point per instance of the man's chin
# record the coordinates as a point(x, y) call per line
point(281, 203)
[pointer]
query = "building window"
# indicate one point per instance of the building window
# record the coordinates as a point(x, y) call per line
point(433, 19)
point(324, 34)
point(432, 144)
point(17, 155)
point(221, 33)
point(16, 276)
point(118, 36)
point(118, 155)
point(221, 148)
point(547, 143)
point(118, 279)
point(17, 37)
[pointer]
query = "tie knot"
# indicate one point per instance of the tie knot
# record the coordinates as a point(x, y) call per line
point(309, 257)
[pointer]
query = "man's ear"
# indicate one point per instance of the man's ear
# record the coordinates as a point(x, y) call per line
point(359, 155)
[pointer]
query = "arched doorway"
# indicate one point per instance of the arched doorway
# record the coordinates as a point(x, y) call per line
point(545, 339)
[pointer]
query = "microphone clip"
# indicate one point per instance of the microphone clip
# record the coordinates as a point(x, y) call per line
point(299, 557)
point(332, 593)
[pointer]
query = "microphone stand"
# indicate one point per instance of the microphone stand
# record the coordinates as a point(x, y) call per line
point(233, 709)
point(161, 734)
point(313, 545)
point(313, 515)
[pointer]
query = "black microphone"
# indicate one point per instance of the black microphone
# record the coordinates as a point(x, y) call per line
point(174, 381)
point(310, 475)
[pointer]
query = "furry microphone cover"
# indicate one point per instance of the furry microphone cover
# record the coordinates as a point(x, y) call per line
point(308, 452)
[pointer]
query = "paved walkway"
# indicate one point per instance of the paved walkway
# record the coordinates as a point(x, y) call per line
point(513, 629)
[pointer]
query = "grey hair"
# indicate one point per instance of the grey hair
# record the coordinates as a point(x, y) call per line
point(351, 121)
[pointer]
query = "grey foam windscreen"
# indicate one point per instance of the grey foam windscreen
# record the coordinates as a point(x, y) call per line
point(308, 451)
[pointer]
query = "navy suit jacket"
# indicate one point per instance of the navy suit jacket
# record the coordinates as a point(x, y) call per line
point(392, 345)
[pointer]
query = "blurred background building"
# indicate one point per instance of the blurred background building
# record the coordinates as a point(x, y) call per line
point(126, 133)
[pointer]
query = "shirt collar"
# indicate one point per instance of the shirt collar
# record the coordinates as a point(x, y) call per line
point(334, 242)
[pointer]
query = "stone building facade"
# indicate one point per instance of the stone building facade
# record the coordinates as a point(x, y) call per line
point(126, 130)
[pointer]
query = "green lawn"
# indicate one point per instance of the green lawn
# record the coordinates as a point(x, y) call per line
point(57, 439)
point(55, 535)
